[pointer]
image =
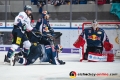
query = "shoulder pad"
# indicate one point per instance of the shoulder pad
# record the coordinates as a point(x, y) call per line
point(22, 14)
point(87, 28)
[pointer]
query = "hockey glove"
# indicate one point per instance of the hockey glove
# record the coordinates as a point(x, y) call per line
point(61, 62)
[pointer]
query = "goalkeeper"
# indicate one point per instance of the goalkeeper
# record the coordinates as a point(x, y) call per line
point(96, 39)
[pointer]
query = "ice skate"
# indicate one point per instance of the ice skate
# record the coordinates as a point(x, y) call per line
point(6, 60)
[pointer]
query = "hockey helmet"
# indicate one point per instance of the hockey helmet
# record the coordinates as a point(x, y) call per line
point(94, 21)
point(27, 7)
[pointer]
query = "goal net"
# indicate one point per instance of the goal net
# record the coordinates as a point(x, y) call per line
point(112, 29)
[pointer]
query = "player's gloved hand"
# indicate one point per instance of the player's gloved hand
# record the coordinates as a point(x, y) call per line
point(61, 62)
point(51, 31)
point(50, 37)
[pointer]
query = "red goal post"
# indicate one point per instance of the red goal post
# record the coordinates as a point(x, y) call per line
point(100, 23)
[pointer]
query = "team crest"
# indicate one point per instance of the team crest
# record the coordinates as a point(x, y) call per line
point(46, 29)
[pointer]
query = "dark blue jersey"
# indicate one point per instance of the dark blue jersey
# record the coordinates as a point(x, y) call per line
point(50, 29)
point(43, 26)
point(94, 38)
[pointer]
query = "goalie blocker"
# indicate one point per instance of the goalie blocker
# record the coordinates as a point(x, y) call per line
point(95, 38)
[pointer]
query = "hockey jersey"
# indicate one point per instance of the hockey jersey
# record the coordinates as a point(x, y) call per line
point(22, 19)
point(43, 26)
point(94, 38)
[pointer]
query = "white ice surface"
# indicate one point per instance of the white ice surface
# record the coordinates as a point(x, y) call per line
point(45, 71)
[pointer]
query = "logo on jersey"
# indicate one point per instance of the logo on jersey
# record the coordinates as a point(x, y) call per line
point(72, 74)
point(94, 37)
point(99, 32)
point(21, 16)
point(46, 29)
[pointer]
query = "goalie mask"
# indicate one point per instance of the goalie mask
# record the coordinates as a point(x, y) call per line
point(94, 24)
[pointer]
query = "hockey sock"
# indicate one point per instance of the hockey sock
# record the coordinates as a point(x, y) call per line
point(10, 53)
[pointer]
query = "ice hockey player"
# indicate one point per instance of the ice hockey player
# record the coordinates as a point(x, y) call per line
point(96, 39)
point(43, 24)
point(35, 53)
point(21, 24)
point(44, 27)
point(28, 34)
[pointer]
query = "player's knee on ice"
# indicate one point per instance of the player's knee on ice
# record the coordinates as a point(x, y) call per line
point(35, 53)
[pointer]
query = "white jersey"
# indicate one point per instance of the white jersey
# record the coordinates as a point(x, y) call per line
point(24, 19)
